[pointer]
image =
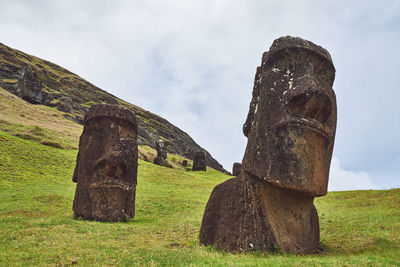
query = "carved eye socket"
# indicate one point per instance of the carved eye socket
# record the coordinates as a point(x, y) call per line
point(111, 168)
point(314, 106)
point(98, 124)
point(90, 125)
point(324, 71)
point(126, 132)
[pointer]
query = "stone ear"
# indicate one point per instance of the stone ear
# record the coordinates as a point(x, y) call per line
point(75, 176)
point(253, 104)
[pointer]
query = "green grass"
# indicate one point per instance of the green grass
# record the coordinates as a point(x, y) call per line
point(358, 228)
point(40, 123)
point(12, 81)
point(37, 225)
point(57, 83)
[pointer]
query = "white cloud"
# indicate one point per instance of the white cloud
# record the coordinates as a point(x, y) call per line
point(341, 180)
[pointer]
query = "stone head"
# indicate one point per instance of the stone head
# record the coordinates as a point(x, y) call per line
point(236, 168)
point(161, 150)
point(291, 123)
point(106, 168)
point(199, 161)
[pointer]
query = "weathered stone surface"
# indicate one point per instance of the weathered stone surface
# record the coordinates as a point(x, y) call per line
point(106, 165)
point(161, 153)
point(184, 163)
point(291, 129)
point(236, 168)
point(199, 161)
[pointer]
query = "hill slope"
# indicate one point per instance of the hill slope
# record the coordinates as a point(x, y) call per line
point(42, 82)
point(37, 226)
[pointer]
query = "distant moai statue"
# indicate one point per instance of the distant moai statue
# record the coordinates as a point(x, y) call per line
point(236, 168)
point(199, 161)
point(161, 153)
point(290, 128)
point(106, 165)
point(184, 163)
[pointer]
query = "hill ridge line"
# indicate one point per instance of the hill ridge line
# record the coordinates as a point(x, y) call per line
point(40, 81)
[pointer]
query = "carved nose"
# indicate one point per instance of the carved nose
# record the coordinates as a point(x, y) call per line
point(111, 167)
point(311, 105)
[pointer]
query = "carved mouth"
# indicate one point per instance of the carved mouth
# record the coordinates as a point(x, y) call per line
point(312, 125)
point(108, 184)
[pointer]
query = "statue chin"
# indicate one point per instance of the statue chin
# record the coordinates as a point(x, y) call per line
point(111, 202)
point(307, 161)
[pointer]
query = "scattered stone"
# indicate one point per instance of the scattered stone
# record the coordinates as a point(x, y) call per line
point(236, 168)
point(161, 153)
point(174, 244)
point(106, 166)
point(65, 104)
point(291, 129)
point(199, 161)
point(184, 163)
point(52, 144)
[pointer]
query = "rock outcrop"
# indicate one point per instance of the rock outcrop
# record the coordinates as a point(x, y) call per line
point(42, 82)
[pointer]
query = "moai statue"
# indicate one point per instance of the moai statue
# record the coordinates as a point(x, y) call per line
point(106, 166)
point(199, 161)
point(161, 153)
point(184, 163)
point(236, 168)
point(291, 129)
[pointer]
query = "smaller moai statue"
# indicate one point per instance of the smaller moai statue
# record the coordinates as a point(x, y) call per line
point(236, 168)
point(106, 165)
point(184, 163)
point(161, 153)
point(199, 161)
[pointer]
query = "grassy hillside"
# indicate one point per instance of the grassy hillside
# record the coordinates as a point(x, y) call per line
point(37, 225)
point(37, 159)
point(42, 82)
point(41, 123)
point(48, 126)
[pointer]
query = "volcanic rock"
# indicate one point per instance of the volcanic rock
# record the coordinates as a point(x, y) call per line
point(42, 82)
point(161, 153)
point(291, 129)
point(106, 165)
point(199, 161)
point(236, 168)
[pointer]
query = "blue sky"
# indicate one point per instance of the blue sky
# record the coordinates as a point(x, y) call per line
point(193, 62)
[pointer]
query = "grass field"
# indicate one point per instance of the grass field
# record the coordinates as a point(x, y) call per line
point(37, 225)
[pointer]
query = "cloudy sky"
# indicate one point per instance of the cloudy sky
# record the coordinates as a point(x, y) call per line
point(193, 63)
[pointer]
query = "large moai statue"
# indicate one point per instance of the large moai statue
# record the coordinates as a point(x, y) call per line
point(106, 166)
point(161, 153)
point(236, 168)
point(199, 161)
point(291, 129)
